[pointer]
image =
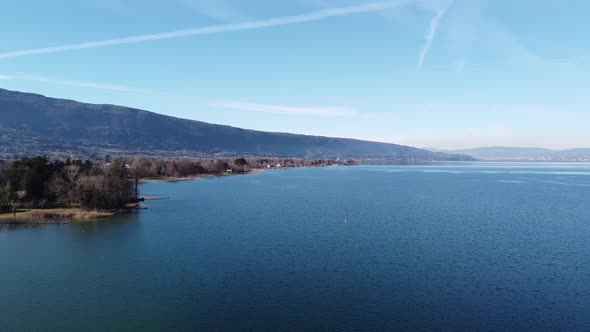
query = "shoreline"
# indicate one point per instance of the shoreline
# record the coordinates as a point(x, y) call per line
point(197, 177)
point(67, 215)
point(58, 216)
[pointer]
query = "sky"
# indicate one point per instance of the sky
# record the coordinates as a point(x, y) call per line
point(446, 74)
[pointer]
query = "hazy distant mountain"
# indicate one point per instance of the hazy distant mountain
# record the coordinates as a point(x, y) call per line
point(515, 153)
point(573, 153)
point(34, 124)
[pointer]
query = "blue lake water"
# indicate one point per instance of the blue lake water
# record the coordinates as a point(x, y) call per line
point(492, 247)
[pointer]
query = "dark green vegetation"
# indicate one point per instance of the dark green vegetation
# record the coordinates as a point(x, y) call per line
point(32, 124)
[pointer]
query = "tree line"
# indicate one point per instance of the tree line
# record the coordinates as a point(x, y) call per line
point(147, 167)
point(107, 184)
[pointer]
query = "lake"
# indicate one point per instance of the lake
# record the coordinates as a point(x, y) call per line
point(490, 247)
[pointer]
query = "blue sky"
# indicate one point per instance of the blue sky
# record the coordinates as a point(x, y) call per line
point(427, 73)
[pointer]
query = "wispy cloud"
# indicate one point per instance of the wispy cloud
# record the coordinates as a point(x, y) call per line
point(77, 84)
point(215, 29)
point(287, 110)
point(431, 34)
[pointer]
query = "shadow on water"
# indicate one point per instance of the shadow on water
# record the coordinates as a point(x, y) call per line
point(25, 227)
point(97, 225)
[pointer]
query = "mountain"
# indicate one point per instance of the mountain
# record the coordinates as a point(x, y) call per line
point(524, 154)
point(574, 153)
point(34, 124)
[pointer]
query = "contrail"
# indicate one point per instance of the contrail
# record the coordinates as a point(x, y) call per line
point(289, 110)
point(432, 33)
point(261, 24)
point(78, 84)
point(81, 84)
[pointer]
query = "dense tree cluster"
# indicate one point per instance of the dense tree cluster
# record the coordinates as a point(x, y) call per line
point(40, 182)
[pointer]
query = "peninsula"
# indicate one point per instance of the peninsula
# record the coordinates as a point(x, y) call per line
point(41, 190)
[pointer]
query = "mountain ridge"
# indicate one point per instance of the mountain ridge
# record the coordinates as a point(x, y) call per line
point(34, 124)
